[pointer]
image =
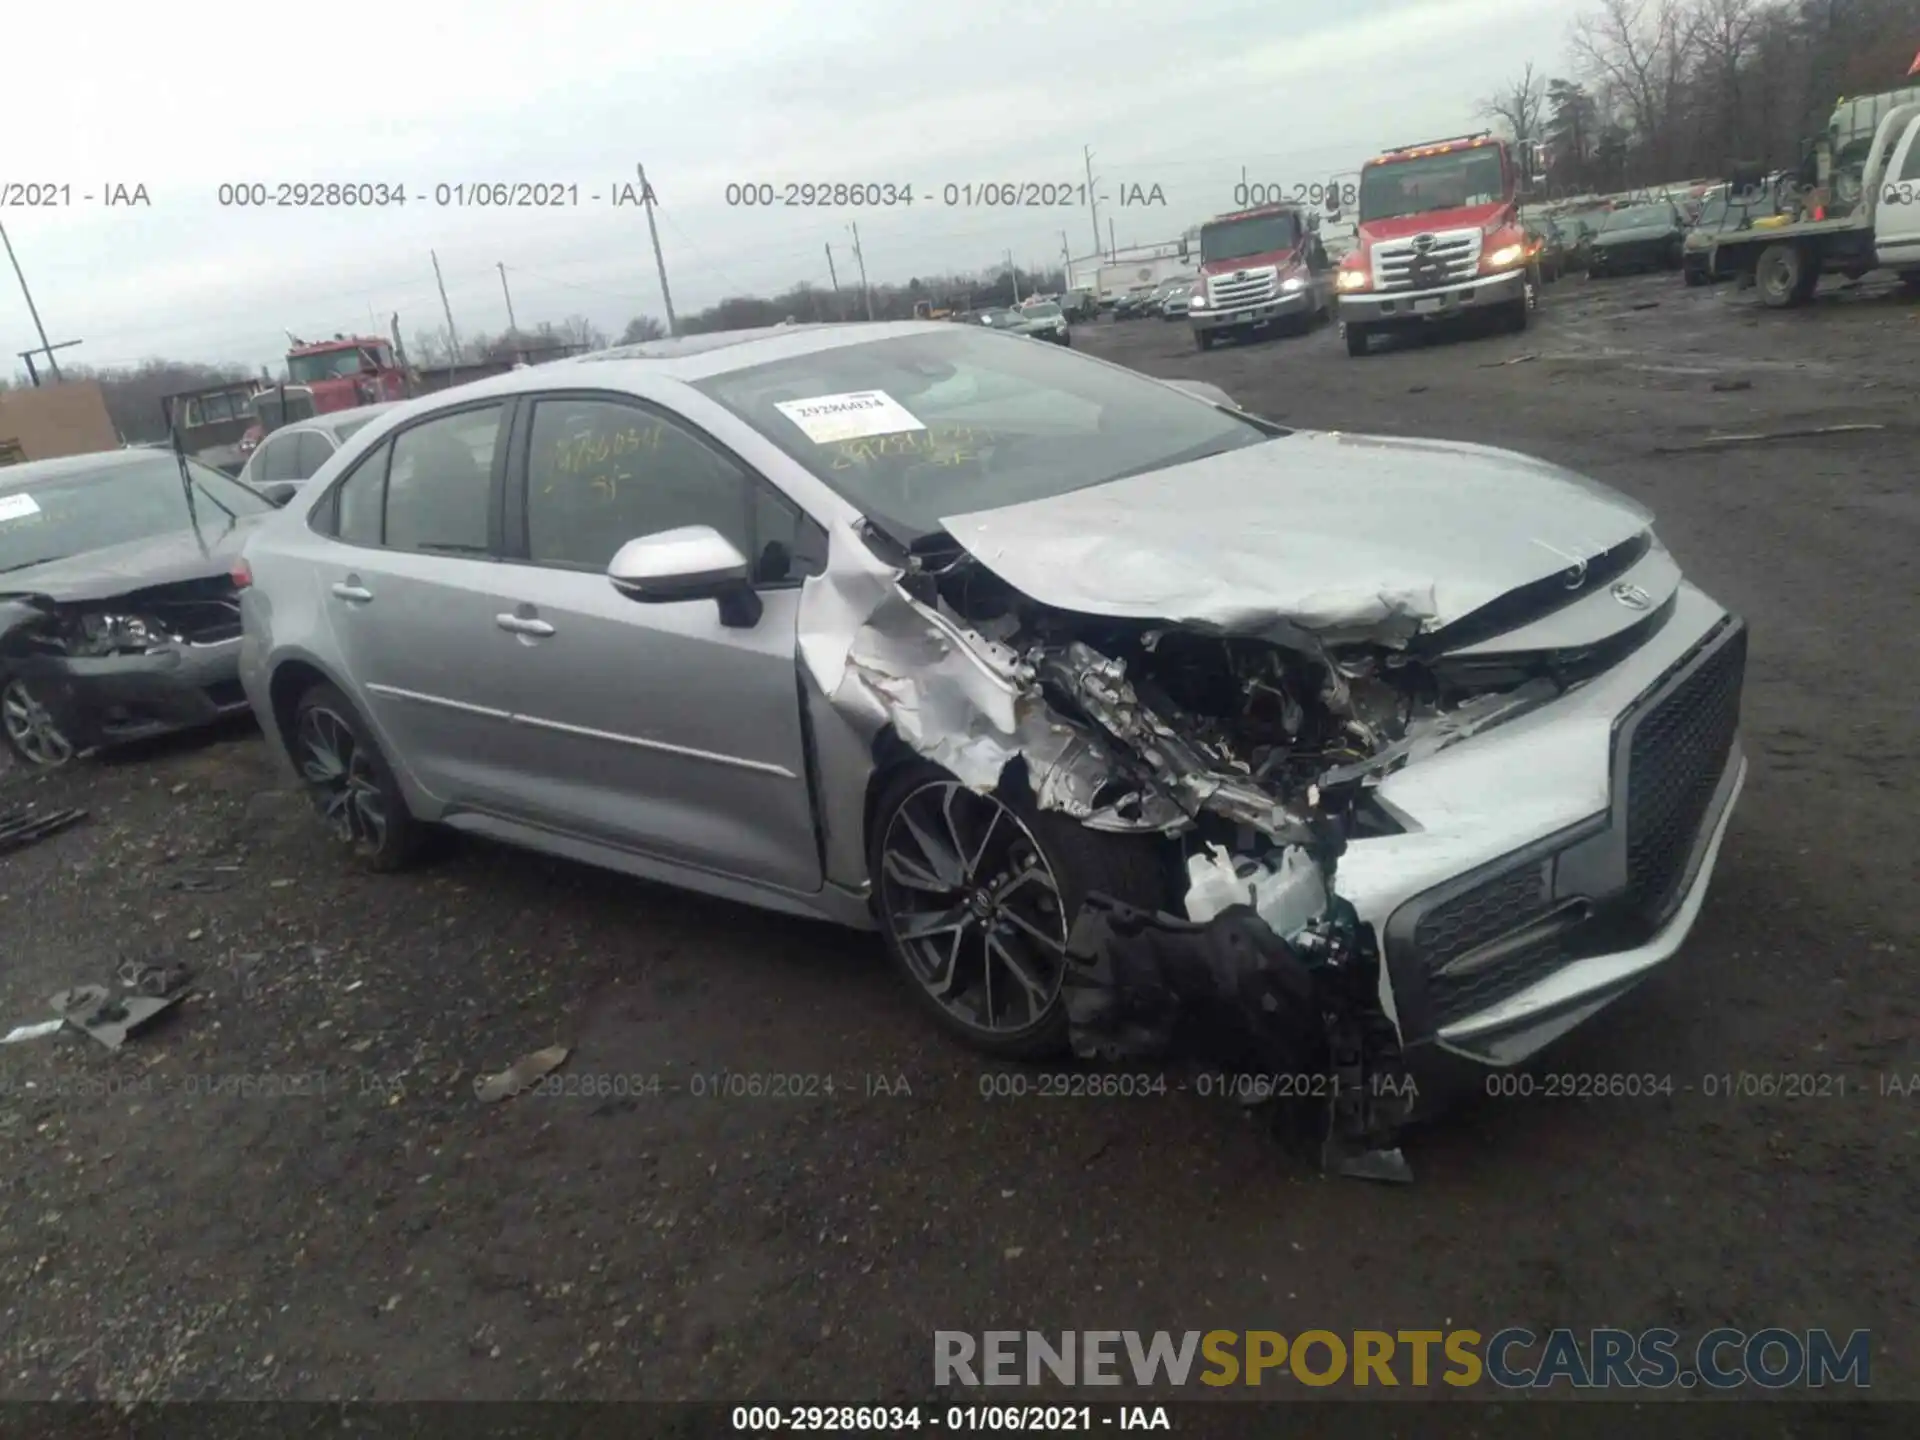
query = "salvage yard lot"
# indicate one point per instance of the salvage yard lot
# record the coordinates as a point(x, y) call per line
point(290, 1188)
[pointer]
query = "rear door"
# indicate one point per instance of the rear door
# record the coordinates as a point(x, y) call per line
point(413, 588)
point(653, 726)
point(1896, 227)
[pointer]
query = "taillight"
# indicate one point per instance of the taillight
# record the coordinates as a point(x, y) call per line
point(241, 574)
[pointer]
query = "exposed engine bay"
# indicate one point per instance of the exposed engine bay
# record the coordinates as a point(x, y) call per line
point(1252, 755)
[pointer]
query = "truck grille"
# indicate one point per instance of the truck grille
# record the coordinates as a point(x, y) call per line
point(1678, 753)
point(1243, 287)
point(1449, 258)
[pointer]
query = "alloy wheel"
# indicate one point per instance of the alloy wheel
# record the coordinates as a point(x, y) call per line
point(974, 907)
point(36, 737)
point(340, 775)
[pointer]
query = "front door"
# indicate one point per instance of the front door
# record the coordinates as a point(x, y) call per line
point(654, 726)
point(1896, 224)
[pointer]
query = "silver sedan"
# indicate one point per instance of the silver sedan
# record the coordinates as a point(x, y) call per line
point(1110, 706)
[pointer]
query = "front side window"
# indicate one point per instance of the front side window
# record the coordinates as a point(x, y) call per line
point(916, 427)
point(439, 485)
point(362, 499)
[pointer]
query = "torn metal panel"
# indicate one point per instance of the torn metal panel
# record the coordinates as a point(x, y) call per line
point(1347, 537)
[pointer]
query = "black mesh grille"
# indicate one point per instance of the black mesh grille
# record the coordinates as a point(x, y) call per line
point(1679, 750)
point(1497, 907)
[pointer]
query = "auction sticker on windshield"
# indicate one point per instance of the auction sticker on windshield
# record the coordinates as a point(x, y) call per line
point(18, 507)
point(825, 419)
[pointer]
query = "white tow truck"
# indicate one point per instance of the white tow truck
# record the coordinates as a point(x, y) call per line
point(1880, 232)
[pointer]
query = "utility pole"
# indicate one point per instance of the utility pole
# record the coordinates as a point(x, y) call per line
point(33, 310)
point(1066, 259)
point(832, 274)
point(1013, 273)
point(666, 295)
point(513, 325)
point(865, 290)
point(1093, 203)
point(1113, 249)
point(453, 338)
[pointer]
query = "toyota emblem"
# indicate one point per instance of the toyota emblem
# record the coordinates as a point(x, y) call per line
point(1632, 596)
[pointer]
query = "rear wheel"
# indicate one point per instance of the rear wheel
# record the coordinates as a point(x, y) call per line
point(977, 896)
point(1784, 275)
point(1910, 280)
point(1359, 339)
point(33, 735)
point(350, 782)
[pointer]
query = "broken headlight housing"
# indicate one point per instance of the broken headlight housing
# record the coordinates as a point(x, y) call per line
point(106, 633)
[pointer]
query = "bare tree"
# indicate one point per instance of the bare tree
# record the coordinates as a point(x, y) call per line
point(1521, 107)
point(1639, 49)
point(1724, 32)
point(642, 328)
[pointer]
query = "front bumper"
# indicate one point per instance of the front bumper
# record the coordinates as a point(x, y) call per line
point(1246, 317)
point(1374, 307)
point(1525, 905)
point(112, 699)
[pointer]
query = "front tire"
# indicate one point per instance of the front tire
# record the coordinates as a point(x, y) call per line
point(1359, 339)
point(1203, 339)
point(976, 897)
point(350, 782)
point(32, 734)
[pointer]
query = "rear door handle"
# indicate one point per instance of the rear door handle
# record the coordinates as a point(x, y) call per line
point(357, 593)
point(522, 625)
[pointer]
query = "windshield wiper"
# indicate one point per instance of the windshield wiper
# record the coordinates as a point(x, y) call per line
point(29, 564)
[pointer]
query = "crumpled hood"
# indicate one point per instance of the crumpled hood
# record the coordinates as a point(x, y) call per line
point(1342, 535)
point(137, 565)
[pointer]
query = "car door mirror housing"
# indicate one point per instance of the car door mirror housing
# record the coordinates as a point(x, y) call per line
point(277, 492)
point(694, 562)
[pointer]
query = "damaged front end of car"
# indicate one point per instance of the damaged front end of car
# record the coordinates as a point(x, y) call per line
point(82, 673)
point(1251, 755)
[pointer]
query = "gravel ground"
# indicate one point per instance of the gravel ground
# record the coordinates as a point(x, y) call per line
point(289, 1189)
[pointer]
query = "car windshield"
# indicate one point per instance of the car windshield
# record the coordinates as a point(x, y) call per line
point(1255, 235)
point(999, 317)
point(305, 369)
point(1714, 211)
point(1431, 182)
point(76, 511)
point(1639, 217)
point(1047, 310)
point(915, 428)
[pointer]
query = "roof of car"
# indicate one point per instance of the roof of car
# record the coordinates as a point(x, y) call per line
point(334, 419)
point(101, 462)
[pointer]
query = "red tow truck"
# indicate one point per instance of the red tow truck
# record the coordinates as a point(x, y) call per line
point(338, 374)
point(1259, 268)
point(1440, 238)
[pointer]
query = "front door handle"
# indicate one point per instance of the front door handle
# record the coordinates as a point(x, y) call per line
point(359, 594)
point(522, 625)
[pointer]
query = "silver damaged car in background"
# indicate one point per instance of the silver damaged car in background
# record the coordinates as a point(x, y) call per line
point(1131, 721)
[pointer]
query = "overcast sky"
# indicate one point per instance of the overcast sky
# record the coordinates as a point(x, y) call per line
point(431, 92)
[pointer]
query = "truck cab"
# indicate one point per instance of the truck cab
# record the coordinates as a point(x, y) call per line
point(1259, 268)
point(1439, 238)
point(346, 371)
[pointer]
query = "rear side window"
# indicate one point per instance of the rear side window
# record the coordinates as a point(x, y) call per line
point(313, 452)
point(439, 483)
point(362, 499)
point(280, 460)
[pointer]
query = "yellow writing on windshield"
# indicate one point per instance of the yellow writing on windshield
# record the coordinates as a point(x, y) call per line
point(936, 445)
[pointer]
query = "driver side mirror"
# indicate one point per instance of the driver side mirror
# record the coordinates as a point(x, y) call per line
point(694, 562)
